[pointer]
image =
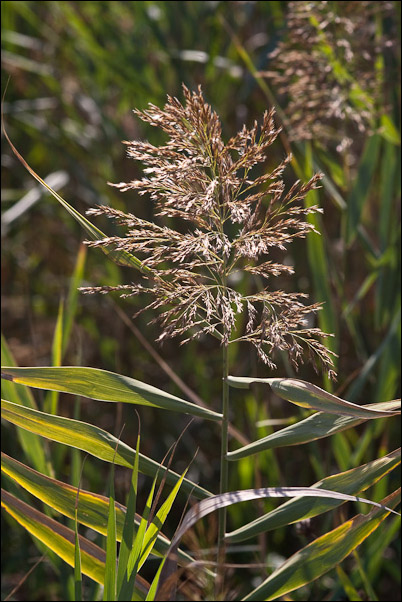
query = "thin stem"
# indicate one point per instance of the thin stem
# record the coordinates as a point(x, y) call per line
point(223, 485)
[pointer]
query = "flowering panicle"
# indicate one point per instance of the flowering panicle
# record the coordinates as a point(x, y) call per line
point(328, 68)
point(233, 223)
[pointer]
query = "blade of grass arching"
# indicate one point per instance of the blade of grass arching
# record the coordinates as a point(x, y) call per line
point(92, 509)
point(323, 554)
point(351, 482)
point(205, 507)
point(120, 257)
point(134, 556)
point(60, 540)
point(127, 536)
point(72, 297)
point(32, 445)
point(157, 523)
point(52, 398)
point(109, 591)
point(91, 439)
point(319, 265)
point(57, 537)
point(361, 187)
point(314, 427)
point(310, 396)
point(102, 385)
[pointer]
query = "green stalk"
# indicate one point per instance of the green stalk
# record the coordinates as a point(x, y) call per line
point(223, 485)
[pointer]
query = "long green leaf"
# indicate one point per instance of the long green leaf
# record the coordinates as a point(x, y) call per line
point(60, 539)
point(311, 397)
point(313, 427)
point(91, 439)
point(118, 256)
point(103, 386)
point(158, 522)
point(323, 554)
point(224, 500)
point(92, 508)
point(135, 552)
point(351, 482)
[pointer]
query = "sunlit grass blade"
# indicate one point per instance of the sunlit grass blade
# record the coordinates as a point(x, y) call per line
point(134, 556)
point(155, 582)
point(31, 444)
point(92, 508)
point(205, 507)
point(128, 530)
point(157, 523)
point(323, 554)
point(120, 257)
point(351, 482)
point(57, 537)
point(91, 439)
point(314, 427)
point(60, 540)
point(102, 385)
point(311, 397)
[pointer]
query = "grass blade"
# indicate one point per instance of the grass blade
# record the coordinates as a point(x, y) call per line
point(92, 509)
point(60, 539)
point(314, 427)
point(312, 397)
point(120, 257)
point(322, 554)
point(224, 500)
point(351, 482)
point(102, 385)
point(91, 439)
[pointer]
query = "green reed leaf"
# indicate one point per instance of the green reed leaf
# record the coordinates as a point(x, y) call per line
point(102, 385)
point(89, 438)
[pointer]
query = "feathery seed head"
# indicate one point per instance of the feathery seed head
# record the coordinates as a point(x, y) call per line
point(233, 223)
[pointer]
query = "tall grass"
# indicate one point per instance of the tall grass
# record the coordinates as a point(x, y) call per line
point(130, 54)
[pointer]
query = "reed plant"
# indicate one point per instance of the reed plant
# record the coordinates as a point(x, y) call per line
point(228, 221)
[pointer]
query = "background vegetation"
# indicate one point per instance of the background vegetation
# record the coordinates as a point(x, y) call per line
point(77, 69)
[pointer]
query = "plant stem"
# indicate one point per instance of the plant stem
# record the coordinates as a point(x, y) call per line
point(223, 485)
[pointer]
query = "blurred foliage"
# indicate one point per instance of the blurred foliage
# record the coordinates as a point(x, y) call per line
point(75, 71)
